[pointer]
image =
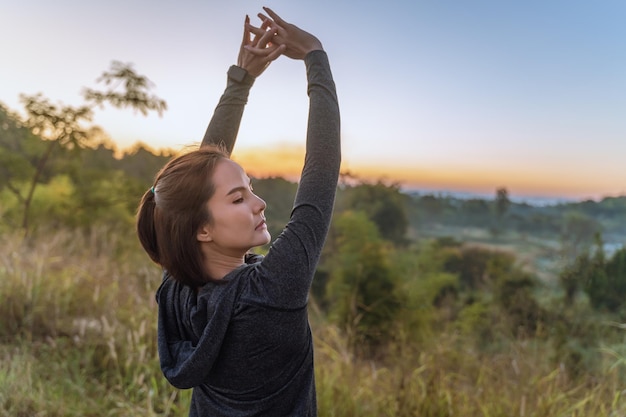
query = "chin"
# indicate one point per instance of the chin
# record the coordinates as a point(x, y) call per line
point(267, 239)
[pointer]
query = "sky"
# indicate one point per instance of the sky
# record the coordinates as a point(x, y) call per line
point(463, 95)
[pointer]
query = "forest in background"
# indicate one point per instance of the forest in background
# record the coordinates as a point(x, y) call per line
point(423, 305)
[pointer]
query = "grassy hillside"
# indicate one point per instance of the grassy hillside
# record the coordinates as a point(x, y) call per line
point(77, 338)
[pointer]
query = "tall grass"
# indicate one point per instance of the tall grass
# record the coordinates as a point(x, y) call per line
point(448, 378)
point(77, 334)
point(78, 338)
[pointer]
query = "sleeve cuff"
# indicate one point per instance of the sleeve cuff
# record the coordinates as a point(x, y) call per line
point(240, 75)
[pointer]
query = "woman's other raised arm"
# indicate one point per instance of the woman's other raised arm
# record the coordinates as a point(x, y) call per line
point(255, 54)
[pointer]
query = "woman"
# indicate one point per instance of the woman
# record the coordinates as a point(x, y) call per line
point(233, 326)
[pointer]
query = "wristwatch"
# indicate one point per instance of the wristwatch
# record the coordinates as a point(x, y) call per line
point(240, 75)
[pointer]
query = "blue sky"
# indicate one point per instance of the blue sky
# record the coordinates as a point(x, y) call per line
point(458, 95)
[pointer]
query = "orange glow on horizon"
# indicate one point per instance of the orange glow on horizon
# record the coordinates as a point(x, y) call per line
point(277, 161)
point(286, 161)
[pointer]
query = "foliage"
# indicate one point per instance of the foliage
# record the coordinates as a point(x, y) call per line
point(63, 127)
point(135, 94)
point(448, 378)
point(18, 147)
point(362, 289)
point(76, 189)
point(574, 220)
point(502, 204)
point(79, 310)
point(602, 279)
point(383, 204)
point(78, 335)
point(578, 234)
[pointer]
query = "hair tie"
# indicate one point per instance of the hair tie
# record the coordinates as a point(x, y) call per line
point(152, 189)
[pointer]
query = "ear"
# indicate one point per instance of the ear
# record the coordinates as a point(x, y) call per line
point(204, 234)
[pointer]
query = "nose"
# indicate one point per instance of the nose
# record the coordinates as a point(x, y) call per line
point(260, 204)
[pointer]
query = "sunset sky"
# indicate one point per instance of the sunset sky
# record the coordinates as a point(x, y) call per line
point(438, 95)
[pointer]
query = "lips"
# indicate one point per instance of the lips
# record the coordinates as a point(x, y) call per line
point(260, 225)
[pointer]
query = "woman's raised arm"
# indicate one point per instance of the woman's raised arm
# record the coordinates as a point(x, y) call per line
point(288, 268)
point(255, 55)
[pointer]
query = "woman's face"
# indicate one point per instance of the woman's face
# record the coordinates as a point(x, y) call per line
point(238, 218)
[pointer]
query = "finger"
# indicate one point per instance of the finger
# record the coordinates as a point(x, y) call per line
point(280, 30)
point(264, 52)
point(265, 38)
point(265, 24)
point(274, 16)
point(276, 52)
point(273, 23)
point(269, 23)
point(246, 31)
point(258, 32)
point(264, 18)
point(258, 52)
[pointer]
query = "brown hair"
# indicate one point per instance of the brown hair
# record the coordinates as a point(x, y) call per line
point(173, 210)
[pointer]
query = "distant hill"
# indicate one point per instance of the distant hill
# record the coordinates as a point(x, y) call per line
point(465, 195)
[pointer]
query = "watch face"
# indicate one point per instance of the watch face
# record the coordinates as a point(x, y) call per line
point(236, 73)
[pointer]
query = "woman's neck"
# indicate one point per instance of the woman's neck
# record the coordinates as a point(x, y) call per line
point(218, 264)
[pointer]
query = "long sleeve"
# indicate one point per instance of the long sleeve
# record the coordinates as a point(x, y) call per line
point(224, 124)
point(290, 264)
point(323, 151)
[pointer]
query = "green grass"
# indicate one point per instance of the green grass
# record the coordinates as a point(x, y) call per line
point(78, 338)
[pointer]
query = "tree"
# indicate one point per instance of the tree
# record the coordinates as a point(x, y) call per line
point(605, 281)
point(65, 127)
point(384, 205)
point(429, 209)
point(478, 268)
point(514, 293)
point(584, 269)
point(475, 211)
point(502, 204)
point(18, 147)
point(361, 289)
point(577, 234)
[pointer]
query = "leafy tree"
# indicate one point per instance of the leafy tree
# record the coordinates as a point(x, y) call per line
point(515, 297)
point(502, 205)
point(384, 205)
point(602, 279)
point(476, 212)
point(141, 163)
point(361, 290)
point(605, 281)
point(574, 276)
point(502, 202)
point(577, 235)
point(429, 209)
point(64, 127)
point(18, 147)
point(477, 268)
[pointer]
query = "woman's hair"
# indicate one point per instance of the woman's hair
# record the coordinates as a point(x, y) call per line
point(173, 210)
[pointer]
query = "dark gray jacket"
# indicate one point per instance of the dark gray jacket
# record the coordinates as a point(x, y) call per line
point(244, 345)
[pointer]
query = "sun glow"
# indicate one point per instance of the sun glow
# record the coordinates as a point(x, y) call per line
point(283, 160)
point(286, 161)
